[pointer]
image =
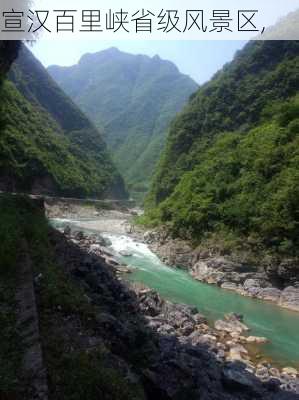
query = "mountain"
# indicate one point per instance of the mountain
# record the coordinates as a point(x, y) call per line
point(287, 28)
point(47, 144)
point(230, 169)
point(132, 98)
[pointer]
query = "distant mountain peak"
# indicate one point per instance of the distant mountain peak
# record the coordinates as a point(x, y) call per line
point(132, 98)
point(113, 49)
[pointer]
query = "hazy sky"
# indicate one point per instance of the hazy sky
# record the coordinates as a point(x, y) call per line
point(199, 59)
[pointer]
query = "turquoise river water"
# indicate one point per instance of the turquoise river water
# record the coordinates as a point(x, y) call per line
point(280, 326)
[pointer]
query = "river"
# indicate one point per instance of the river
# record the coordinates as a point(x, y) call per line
point(278, 325)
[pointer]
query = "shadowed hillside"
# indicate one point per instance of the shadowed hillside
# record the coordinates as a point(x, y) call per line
point(47, 145)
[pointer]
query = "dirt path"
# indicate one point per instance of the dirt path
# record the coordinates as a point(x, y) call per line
point(28, 324)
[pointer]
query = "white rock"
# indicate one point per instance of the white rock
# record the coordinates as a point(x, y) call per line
point(256, 339)
point(290, 298)
point(290, 371)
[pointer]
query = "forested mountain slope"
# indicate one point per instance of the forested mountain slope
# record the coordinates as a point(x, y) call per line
point(231, 164)
point(133, 97)
point(47, 145)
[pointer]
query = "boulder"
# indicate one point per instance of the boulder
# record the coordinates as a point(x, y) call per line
point(95, 248)
point(199, 318)
point(204, 273)
point(218, 270)
point(237, 352)
point(288, 271)
point(225, 265)
point(230, 326)
point(166, 329)
point(187, 328)
point(253, 291)
point(79, 235)
point(125, 253)
point(233, 317)
point(206, 339)
point(292, 388)
point(256, 339)
point(103, 241)
point(236, 378)
point(262, 373)
point(274, 372)
point(249, 283)
point(290, 371)
point(176, 253)
point(150, 302)
point(123, 269)
point(236, 336)
point(290, 298)
point(229, 286)
point(151, 236)
point(269, 293)
point(67, 230)
point(112, 262)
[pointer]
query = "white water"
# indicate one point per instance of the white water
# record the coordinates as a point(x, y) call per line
point(265, 319)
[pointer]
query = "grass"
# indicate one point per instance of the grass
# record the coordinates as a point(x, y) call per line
point(11, 347)
point(11, 350)
point(76, 371)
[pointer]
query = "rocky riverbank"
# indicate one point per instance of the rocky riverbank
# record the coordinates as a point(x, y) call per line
point(214, 362)
point(276, 283)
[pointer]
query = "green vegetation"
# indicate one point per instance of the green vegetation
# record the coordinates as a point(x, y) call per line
point(66, 315)
point(10, 343)
point(133, 98)
point(47, 144)
point(74, 372)
point(17, 222)
point(230, 169)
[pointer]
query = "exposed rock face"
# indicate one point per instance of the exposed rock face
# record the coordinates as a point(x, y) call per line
point(251, 284)
point(247, 280)
point(288, 272)
point(217, 270)
point(231, 324)
point(238, 375)
point(188, 358)
point(229, 286)
point(171, 252)
point(256, 339)
point(290, 298)
point(269, 293)
point(235, 376)
point(178, 253)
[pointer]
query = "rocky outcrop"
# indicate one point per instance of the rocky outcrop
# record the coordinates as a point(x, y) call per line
point(276, 283)
point(256, 339)
point(232, 324)
point(171, 251)
point(227, 275)
point(289, 298)
point(188, 358)
point(218, 270)
point(229, 346)
point(270, 294)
